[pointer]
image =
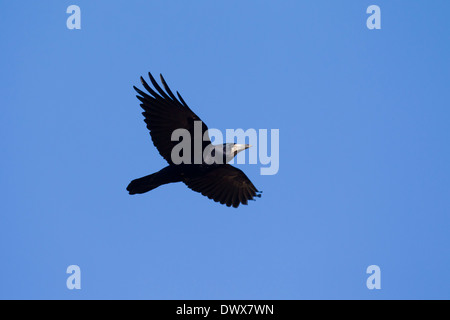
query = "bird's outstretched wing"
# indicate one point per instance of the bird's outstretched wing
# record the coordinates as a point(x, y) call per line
point(225, 184)
point(164, 113)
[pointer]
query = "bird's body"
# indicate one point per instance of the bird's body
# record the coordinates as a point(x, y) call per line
point(205, 167)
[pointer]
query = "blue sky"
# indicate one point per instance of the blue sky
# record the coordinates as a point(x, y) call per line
point(364, 173)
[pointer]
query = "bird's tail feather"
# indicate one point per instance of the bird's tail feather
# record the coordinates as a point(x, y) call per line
point(144, 184)
point(167, 175)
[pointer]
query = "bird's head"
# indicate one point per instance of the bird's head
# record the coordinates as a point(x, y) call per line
point(236, 148)
point(232, 149)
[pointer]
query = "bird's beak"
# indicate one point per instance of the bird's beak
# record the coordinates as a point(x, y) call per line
point(240, 147)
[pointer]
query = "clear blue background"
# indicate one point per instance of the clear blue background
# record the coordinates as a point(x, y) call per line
point(364, 150)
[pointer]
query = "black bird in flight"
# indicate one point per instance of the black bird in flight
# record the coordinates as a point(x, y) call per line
point(217, 180)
